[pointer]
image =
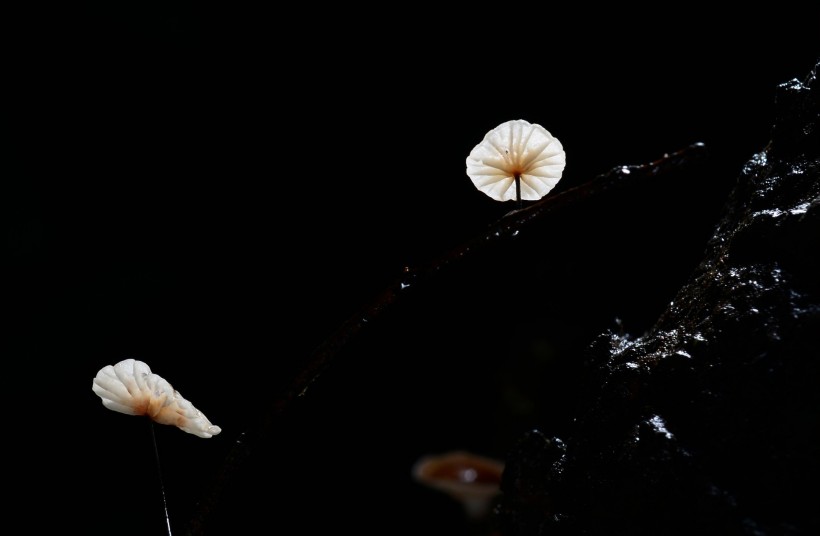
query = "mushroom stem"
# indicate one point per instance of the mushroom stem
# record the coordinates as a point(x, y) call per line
point(518, 189)
point(161, 485)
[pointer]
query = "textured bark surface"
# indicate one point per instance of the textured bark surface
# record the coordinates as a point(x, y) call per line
point(708, 423)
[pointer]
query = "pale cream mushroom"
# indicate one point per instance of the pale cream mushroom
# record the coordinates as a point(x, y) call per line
point(472, 480)
point(517, 160)
point(130, 387)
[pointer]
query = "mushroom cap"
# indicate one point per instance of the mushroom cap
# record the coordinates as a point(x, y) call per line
point(471, 479)
point(130, 387)
point(517, 149)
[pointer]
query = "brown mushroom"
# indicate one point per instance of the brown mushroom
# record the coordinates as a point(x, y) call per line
point(472, 480)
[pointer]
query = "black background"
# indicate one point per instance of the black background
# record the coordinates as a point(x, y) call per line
point(214, 191)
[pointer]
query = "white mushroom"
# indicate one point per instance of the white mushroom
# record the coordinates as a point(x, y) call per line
point(517, 160)
point(130, 387)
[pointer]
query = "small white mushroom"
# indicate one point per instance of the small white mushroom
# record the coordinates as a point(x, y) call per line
point(130, 387)
point(517, 160)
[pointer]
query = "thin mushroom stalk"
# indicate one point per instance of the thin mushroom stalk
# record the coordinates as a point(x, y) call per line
point(161, 482)
point(518, 190)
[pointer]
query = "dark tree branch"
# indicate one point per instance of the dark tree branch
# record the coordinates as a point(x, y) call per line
point(505, 229)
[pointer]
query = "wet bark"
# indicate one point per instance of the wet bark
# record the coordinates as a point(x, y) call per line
point(708, 423)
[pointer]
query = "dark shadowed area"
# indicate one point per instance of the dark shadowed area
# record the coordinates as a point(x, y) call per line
point(200, 191)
